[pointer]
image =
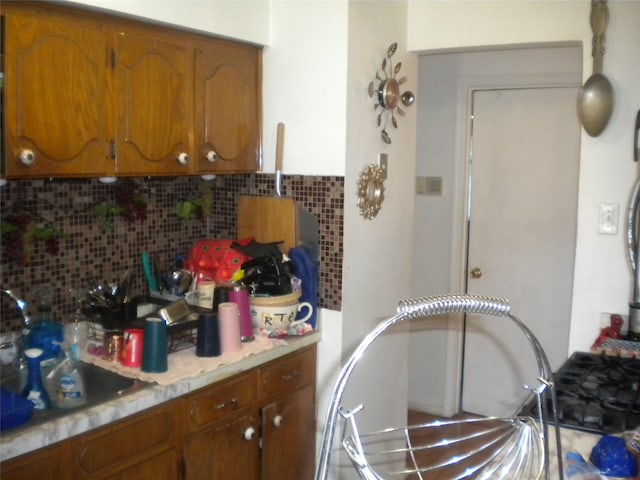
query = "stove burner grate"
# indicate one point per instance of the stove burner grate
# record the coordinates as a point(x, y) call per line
point(596, 393)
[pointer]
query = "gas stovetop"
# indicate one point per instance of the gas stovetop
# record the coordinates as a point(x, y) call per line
point(597, 393)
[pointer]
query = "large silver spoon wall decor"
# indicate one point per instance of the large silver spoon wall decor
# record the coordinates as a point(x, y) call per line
point(596, 98)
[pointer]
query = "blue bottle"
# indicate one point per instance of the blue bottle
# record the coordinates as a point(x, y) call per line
point(45, 333)
point(34, 390)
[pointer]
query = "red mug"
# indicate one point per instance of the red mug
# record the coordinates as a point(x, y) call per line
point(132, 351)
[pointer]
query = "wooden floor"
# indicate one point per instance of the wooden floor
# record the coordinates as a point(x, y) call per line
point(437, 455)
point(462, 454)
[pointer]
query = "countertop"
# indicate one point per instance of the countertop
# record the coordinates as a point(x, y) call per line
point(18, 442)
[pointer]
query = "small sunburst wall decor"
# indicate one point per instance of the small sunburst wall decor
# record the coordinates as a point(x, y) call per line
point(386, 91)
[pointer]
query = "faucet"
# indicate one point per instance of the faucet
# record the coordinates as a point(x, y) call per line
point(22, 306)
point(26, 324)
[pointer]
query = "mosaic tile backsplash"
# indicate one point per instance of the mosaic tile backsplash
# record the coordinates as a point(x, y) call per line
point(88, 252)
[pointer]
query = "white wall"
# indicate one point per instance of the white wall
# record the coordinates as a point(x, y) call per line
point(602, 277)
point(305, 86)
point(246, 20)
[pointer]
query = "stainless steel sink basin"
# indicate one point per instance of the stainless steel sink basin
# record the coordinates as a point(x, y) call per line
point(100, 386)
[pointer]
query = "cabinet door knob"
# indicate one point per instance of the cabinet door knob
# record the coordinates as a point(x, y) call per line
point(212, 156)
point(27, 157)
point(476, 273)
point(183, 158)
point(249, 433)
point(277, 421)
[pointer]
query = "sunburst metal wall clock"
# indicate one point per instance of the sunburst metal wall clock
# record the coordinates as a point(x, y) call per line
point(386, 91)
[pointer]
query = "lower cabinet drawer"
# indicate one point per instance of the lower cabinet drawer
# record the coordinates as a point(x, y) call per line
point(215, 403)
point(287, 373)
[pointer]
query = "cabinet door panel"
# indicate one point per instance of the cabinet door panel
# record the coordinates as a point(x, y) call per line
point(290, 421)
point(162, 467)
point(56, 98)
point(45, 464)
point(153, 104)
point(226, 107)
point(121, 446)
point(224, 453)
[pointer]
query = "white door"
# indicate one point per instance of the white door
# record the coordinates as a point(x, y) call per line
point(521, 237)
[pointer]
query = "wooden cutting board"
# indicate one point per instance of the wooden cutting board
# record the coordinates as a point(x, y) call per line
point(268, 219)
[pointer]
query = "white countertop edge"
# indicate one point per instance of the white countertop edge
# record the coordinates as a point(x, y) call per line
point(13, 444)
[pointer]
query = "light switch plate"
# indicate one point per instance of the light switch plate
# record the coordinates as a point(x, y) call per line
point(608, 218)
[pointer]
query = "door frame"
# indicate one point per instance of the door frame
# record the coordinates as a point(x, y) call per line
point(467, 85)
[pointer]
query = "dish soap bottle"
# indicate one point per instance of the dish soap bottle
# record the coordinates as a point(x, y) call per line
point(45, 334)
point(70, 391)
point(34, 390)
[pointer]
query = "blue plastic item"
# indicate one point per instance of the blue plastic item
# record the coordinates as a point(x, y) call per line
point(34, 390)
point(308, 272)
point(14, 410)
point(613, 459)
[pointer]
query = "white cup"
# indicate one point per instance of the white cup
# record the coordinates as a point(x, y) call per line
point(202, 296)
point(278, 317)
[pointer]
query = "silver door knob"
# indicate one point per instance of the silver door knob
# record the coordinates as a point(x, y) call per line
point(476, 273)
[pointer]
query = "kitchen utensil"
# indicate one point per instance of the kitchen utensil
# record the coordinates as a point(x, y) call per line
point(176, 312)
point(596, 98)
point(498, 448)
point(148, 272)
point(278, 218)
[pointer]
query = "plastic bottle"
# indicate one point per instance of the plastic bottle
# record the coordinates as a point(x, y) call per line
point(45, 334)
point(70, 385)
point(34, 390)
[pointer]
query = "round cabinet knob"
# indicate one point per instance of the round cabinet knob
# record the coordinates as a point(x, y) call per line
point(212, 156)
point(476, 273)
point(249, 433)
point(277, 421)
point(27, 157)
point(183, 158)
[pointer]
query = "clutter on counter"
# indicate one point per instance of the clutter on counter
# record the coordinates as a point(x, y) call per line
point(185, 364)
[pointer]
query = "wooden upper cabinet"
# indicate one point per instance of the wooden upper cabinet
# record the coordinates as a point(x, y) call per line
point(227, 107)
point(55, 96)
point(153, 105)
point(90, 95)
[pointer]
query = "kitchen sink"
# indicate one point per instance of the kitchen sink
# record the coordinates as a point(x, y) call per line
point(100, 386)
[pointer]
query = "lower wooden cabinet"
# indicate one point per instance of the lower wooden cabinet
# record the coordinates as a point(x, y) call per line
point(288, 436)
point(44, 464)
point(229, 450)
point(257, 425)
point(133, 445)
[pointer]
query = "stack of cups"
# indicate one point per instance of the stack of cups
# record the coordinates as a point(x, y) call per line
point(154, 350)
point(208, 338)
point(229, 322)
